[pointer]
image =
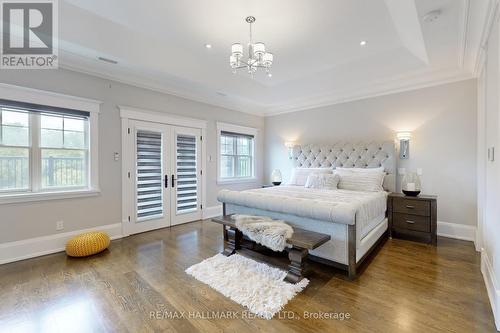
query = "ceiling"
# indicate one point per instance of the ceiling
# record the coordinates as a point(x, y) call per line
point(160, 44)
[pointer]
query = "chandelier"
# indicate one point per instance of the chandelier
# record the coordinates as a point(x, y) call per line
point(257, 56)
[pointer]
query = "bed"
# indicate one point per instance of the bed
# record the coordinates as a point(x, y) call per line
point(355, 220)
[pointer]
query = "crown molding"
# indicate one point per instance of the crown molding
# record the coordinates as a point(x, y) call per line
point(394, 87)
point(134, 80)
point(381, 88)
point(492, 16)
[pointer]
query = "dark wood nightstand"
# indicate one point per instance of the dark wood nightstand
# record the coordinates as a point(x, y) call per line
point(414, 218)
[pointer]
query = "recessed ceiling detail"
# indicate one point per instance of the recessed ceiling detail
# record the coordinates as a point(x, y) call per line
point(405, 17)
point(318, 43)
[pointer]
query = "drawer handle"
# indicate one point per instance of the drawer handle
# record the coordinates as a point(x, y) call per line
point(410, 207)
point(410, 221)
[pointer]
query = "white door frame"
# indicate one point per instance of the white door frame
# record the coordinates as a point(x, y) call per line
point(130, 113)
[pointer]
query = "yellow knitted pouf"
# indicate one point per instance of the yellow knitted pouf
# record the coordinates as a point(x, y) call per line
point(87, 244)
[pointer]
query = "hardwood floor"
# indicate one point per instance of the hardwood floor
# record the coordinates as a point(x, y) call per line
point(407, 287)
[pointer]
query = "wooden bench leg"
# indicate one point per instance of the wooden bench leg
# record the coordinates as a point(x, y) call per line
point(297, 268)
point(233, 242)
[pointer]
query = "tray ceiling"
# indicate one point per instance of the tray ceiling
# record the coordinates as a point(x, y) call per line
point(318, 57)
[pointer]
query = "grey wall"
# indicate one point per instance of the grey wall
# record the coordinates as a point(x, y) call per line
point(442, 120)
point(22, 221)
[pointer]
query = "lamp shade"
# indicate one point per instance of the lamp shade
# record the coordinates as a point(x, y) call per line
point(267, 59)
point(237, 50)
point(276, 177)
point(233, 61)
point(259, 49)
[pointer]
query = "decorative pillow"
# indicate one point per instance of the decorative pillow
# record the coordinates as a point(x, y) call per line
point(322, 181)
point(360, 181)
point(299, 175)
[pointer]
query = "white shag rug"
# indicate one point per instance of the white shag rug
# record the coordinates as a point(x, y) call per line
point(264, 230)
point(256, 286)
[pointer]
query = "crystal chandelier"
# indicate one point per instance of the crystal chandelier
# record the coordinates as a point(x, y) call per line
point(257, 55)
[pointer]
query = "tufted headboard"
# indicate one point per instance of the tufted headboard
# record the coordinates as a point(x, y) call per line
point(349, 155)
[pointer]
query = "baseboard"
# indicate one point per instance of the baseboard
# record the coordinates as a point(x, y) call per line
point(491, 286)
point(213, 211)
point(39, 246)
point(457, 231)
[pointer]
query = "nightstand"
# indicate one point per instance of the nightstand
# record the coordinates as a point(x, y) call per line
point(413, 218)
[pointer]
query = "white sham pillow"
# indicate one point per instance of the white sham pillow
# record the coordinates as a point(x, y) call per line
point(360, 181)
point(299, 175)
point(323, 181)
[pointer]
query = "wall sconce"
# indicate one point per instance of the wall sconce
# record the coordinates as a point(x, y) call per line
point(289, 145)
point(404, 144)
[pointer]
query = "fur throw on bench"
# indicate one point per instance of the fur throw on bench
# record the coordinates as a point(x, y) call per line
point(264, 230)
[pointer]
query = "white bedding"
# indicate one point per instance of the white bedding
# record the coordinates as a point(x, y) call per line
point(367, 209)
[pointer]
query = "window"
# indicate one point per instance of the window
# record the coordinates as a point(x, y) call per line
point(236, 153)
point(64, 151)
point(43, 150)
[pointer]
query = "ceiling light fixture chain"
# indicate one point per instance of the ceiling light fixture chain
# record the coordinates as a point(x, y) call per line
point(257, 55)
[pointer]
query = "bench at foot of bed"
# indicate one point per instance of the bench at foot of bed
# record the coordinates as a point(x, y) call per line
point(301, 241)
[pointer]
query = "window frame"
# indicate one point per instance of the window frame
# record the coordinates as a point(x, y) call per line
point(247, 131)
point(35, 191)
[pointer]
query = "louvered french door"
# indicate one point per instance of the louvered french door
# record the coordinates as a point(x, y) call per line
point(166, 176)
point(186, 205)
point(152, 169)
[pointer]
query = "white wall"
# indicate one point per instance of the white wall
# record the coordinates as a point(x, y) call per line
point(34, 219)
point(442, 120)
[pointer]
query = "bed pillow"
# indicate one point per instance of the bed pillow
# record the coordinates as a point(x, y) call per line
point(299, 175)
point(379, 169)
point(323, 181)
point(360, 181)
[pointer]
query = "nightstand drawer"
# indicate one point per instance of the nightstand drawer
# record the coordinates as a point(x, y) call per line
point(411, 222)
point(408, 206)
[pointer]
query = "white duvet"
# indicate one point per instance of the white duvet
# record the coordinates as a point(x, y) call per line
point(338, 206)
